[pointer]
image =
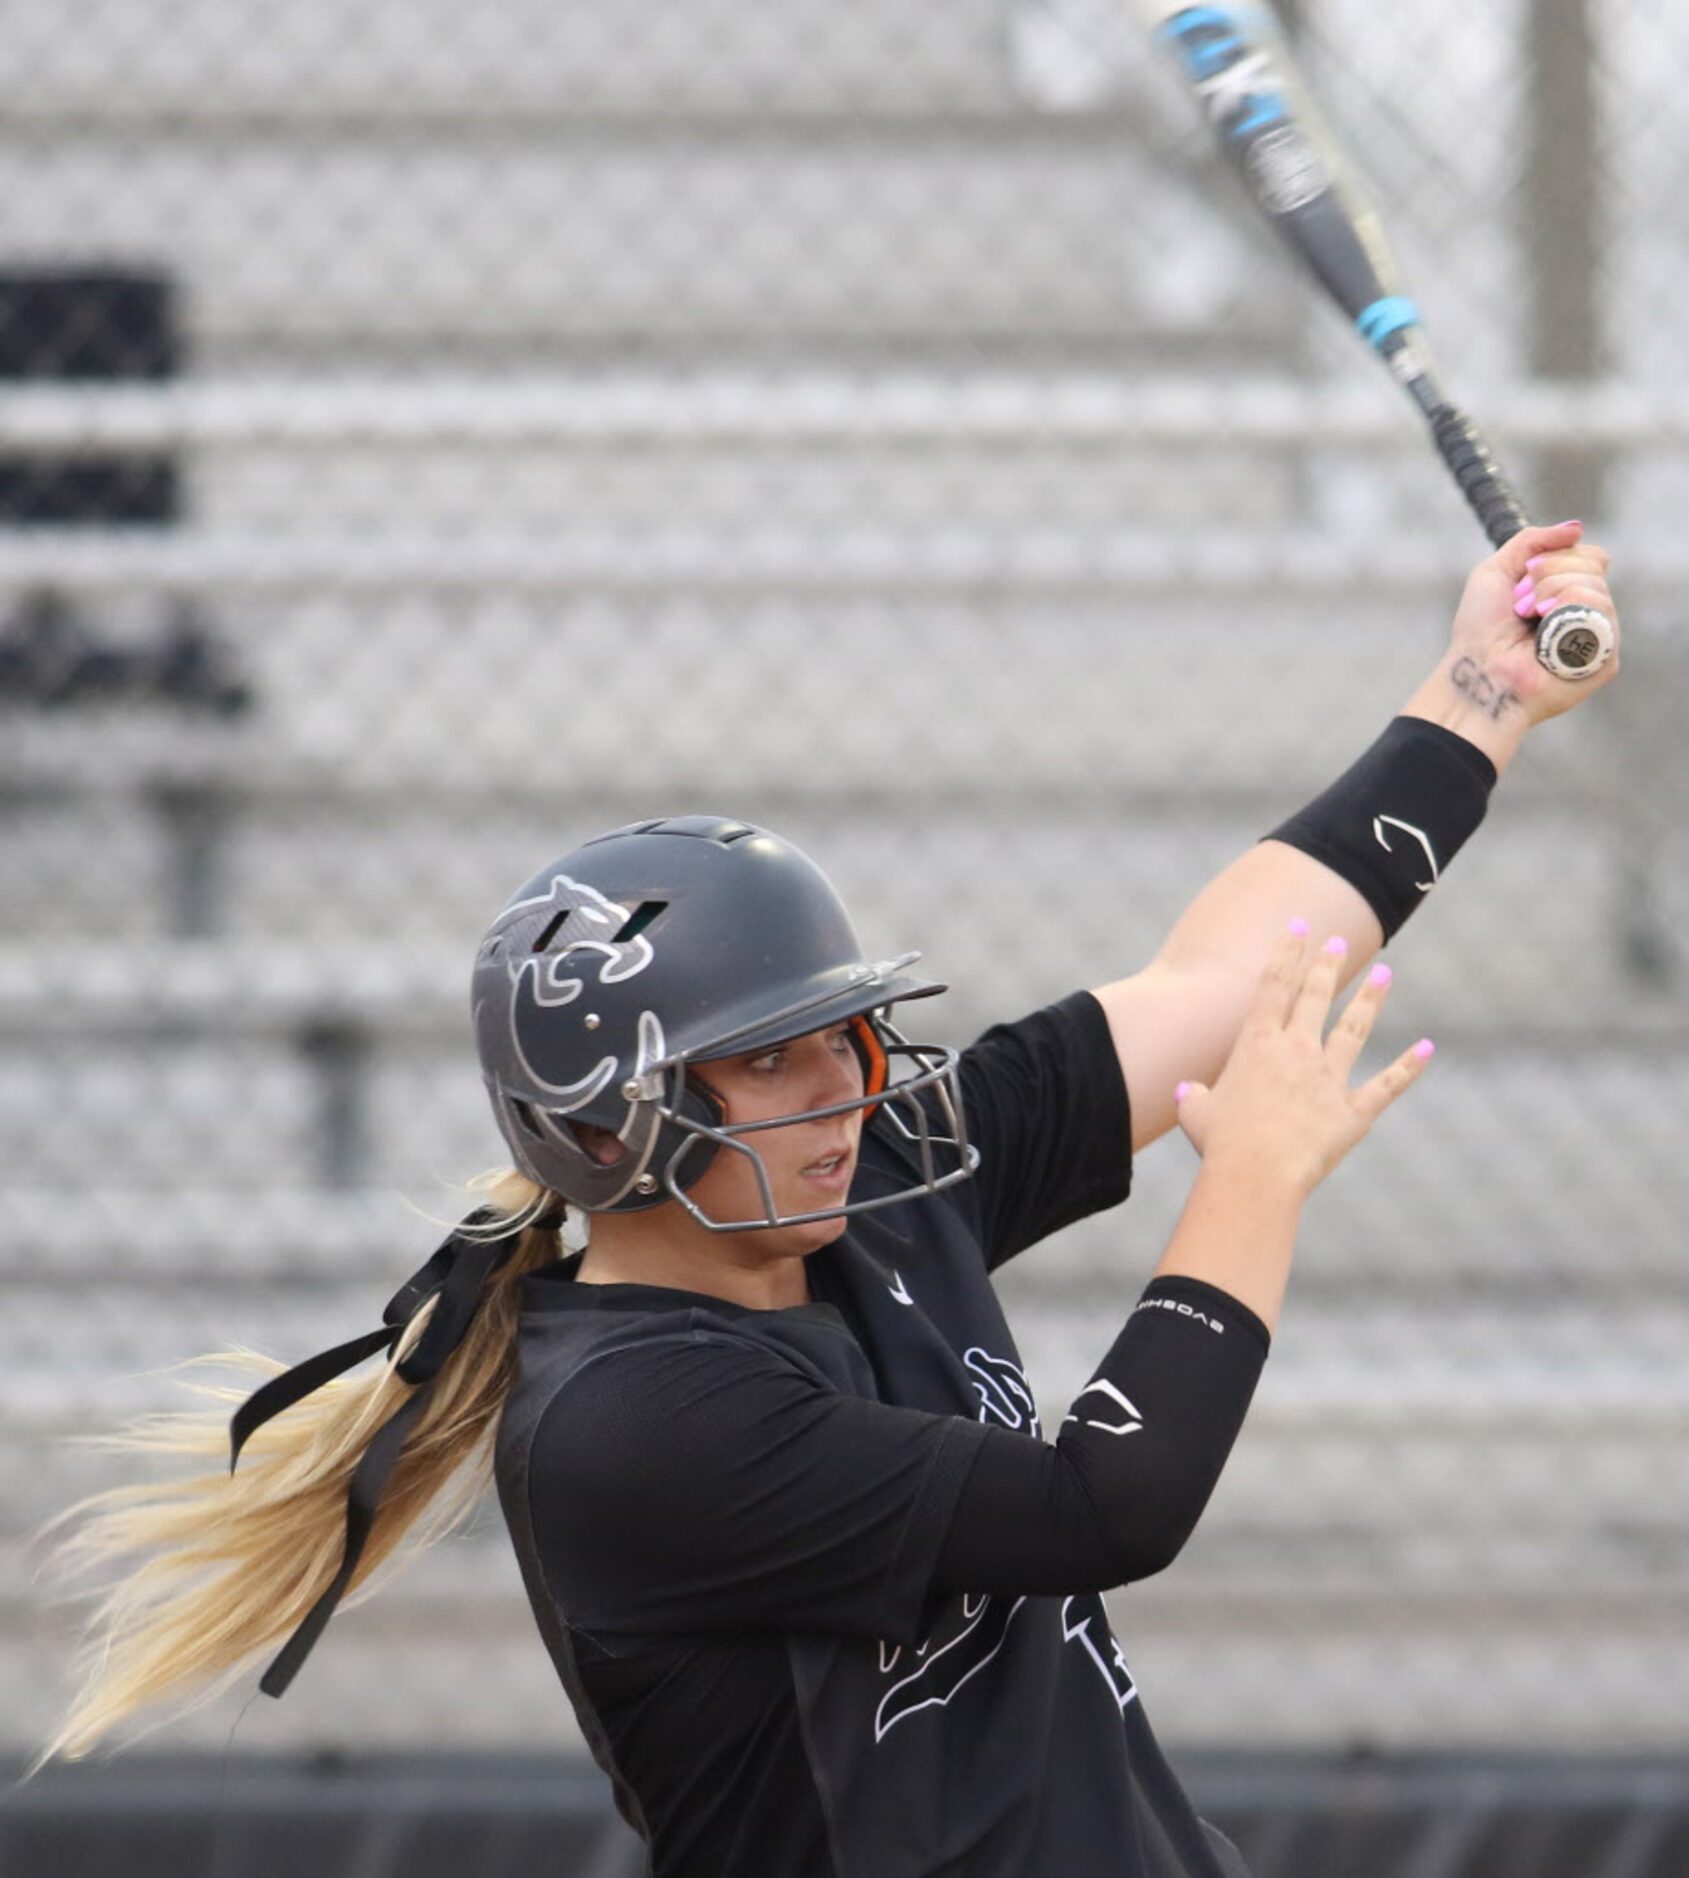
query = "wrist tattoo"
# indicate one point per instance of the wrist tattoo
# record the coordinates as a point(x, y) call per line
point(1495, 700)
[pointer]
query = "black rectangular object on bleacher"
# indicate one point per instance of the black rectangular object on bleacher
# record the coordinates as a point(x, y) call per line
point(88, 326)
point(99, 326)
point(104, 490)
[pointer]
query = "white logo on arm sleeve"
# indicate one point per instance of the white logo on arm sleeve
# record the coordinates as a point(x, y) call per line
point(1180, 1309)
point(1418, 834)
point(1129, 1423)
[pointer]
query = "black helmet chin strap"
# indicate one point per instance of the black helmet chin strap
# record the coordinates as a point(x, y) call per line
point(456, 1275)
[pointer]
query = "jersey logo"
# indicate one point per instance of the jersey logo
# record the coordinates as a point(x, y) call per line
point(942, 1669)
point(1004, 1394)
point(1079, 1617)
point(1418, 834)
point(900, 1290)
point(1131, 1420)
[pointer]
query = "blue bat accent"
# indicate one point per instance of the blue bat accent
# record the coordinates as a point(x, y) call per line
point(1205, 58)
point(1377, 322)
point(1265, 107)
point(1192, 18)
point(1201, 60)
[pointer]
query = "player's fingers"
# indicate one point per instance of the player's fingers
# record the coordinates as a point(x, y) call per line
point(1349, 1034)
point(1374, 1097)
point(1319, 985)
point(1276, 991)
point(1573, 590)
point(1192, 1101)
point(1582, 554)
point(1512, 556)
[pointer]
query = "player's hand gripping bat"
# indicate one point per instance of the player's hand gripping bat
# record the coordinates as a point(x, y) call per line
point(1235, 58)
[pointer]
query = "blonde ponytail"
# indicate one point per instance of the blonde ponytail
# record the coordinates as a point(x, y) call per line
point(229, 1564)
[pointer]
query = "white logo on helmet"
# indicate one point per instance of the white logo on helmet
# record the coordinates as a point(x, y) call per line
point(556, 974)
point(557, 978)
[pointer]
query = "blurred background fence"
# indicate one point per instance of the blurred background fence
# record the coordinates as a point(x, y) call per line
point(429, 435)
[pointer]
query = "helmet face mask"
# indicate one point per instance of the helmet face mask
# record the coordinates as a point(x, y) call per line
point(899, 1101)
point(670, 944)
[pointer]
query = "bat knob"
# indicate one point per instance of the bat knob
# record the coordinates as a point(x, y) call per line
point(1575, 642)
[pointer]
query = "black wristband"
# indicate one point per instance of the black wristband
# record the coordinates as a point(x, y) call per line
point(1393, 821)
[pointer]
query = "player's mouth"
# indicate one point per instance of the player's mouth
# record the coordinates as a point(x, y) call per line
point(831, 1172)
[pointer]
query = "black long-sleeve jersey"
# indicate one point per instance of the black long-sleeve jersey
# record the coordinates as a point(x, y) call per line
point(825, 1602)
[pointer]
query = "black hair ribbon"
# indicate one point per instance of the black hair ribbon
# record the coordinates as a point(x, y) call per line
point(456, 1275)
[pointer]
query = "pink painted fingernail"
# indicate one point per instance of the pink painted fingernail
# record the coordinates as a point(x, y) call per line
point(1546, 603)
point(1533, 564)
point(1337, 945)
point(1521, 585)
point(1526, 604)
point(1299, 926)
point(1181, 1092)
point(1424, 1048)
point(1380, 975)
point(1573, 524)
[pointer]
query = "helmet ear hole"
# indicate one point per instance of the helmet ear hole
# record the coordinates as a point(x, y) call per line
point(602, 1145)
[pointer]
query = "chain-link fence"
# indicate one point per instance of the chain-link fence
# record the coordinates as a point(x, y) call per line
point(430, 435)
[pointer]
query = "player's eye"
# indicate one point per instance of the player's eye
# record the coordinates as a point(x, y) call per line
point(768, 1062)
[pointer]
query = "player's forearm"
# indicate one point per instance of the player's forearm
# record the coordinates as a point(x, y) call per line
point(1355, 862)
point(1179, 1017)
point(1238, 1233)
point(1236, 920)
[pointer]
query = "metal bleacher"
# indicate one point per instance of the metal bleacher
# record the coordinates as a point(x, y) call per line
point(773, 410)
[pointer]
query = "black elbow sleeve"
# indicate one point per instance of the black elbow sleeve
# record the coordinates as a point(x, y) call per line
point(1149, 1434)
point(1135, 1463)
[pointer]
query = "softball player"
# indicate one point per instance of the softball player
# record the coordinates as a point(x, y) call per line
point(822, 1598)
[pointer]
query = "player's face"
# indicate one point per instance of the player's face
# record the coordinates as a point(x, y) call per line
point(810, 1164)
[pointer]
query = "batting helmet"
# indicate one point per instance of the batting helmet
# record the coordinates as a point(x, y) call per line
point(669, 943)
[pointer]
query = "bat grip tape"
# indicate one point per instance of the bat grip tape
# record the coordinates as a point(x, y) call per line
point(1470, 463)
point(1574, 642)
